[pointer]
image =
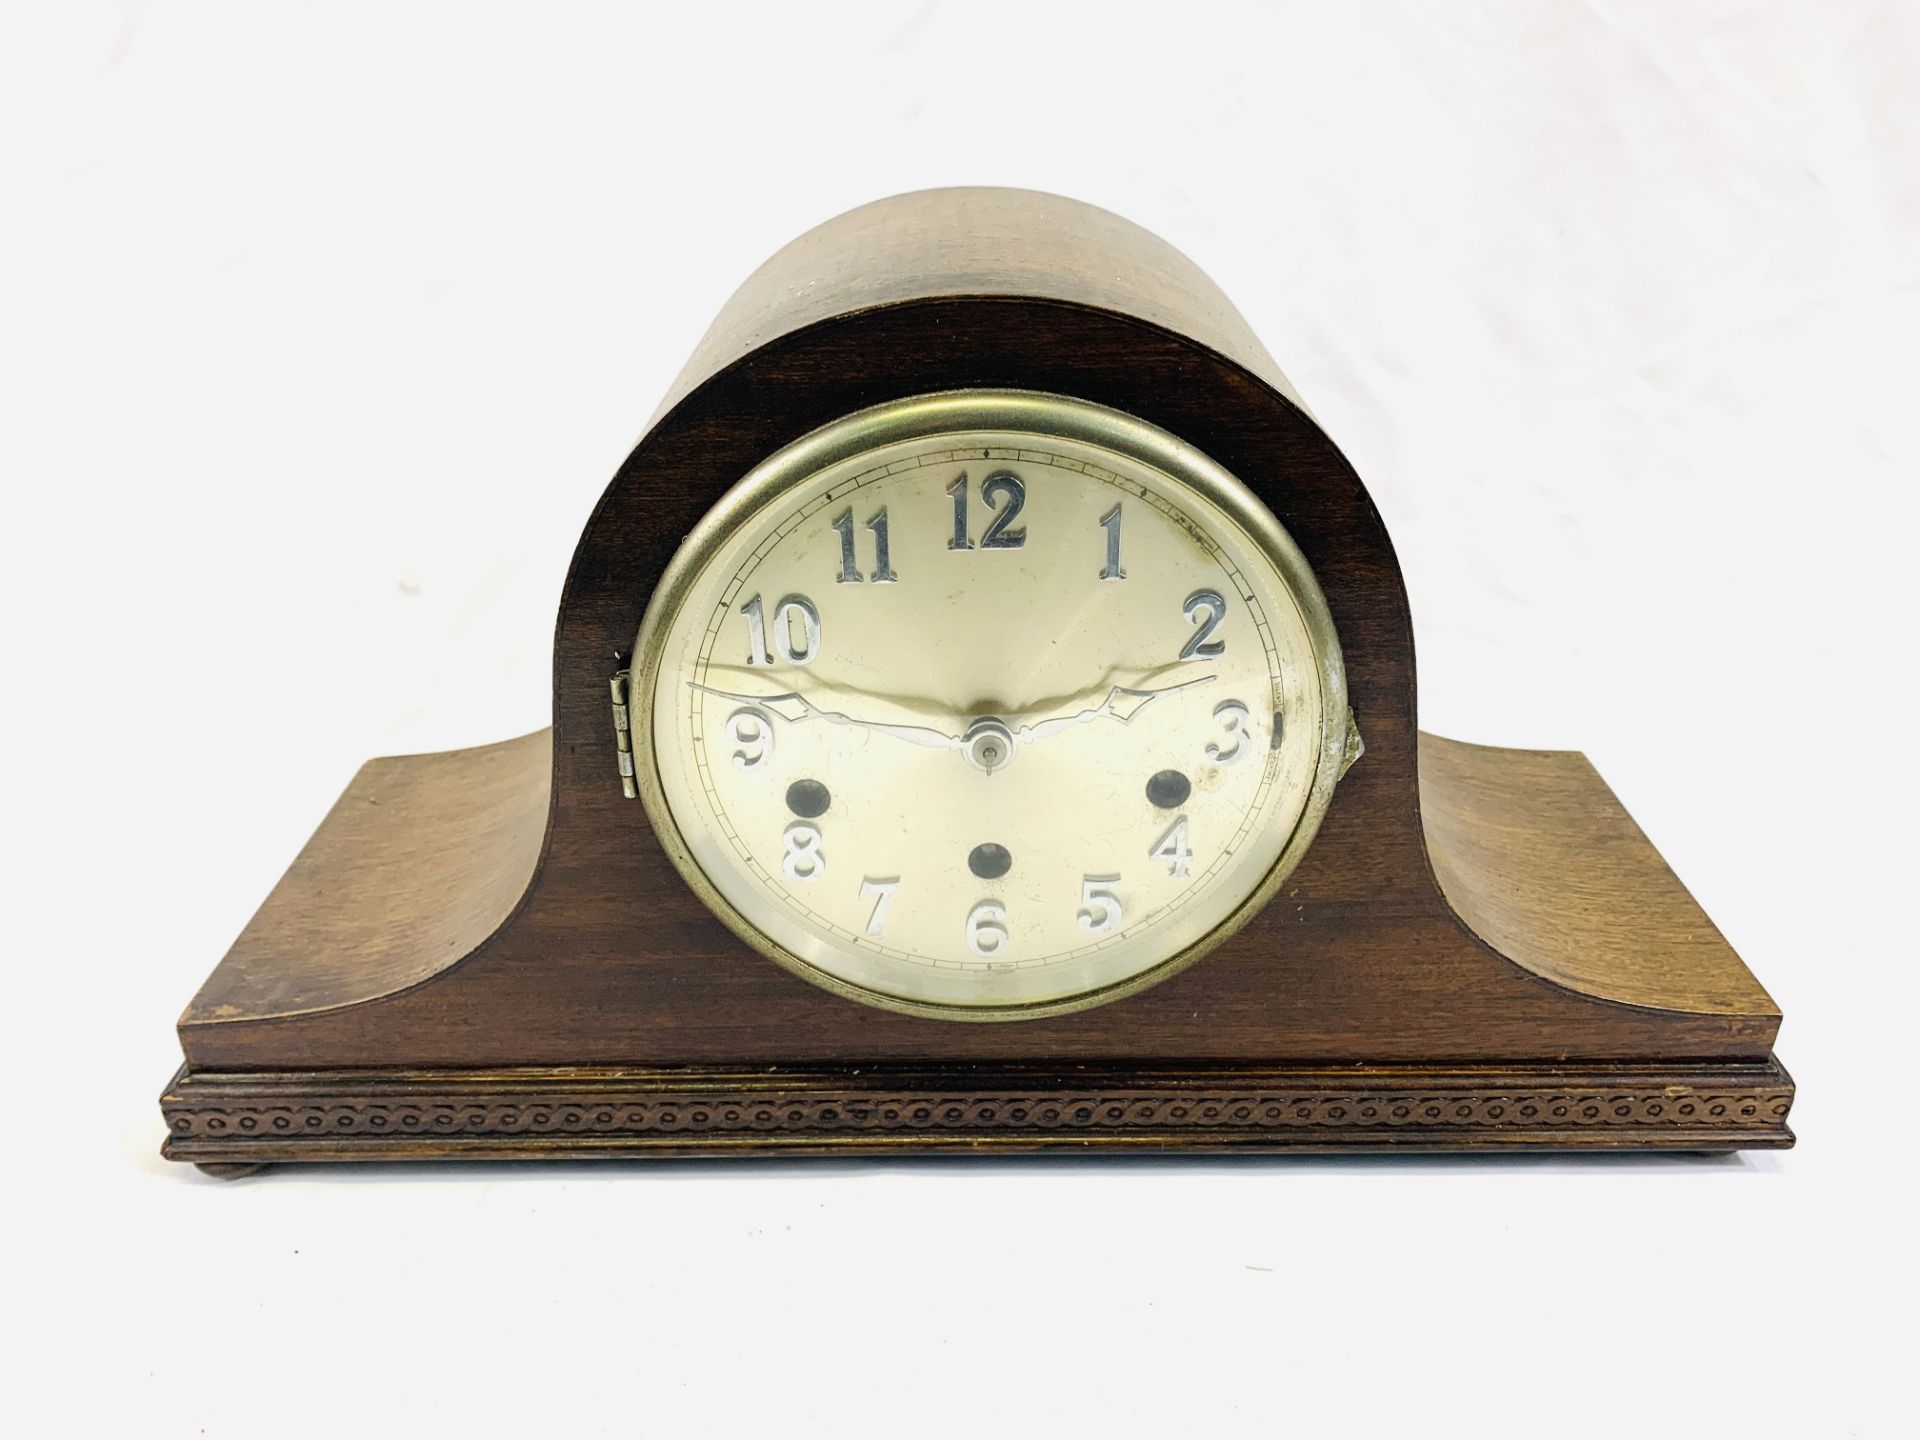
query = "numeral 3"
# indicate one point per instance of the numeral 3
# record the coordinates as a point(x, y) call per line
point(1235, 723)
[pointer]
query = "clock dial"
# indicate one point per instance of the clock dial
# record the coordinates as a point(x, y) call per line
point(987, 705)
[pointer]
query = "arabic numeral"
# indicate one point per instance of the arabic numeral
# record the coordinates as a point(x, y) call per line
point(1100, 909)
point(793, 612)
point(881, 893)
point(882, 564)
point(1236, 724)
point(849, 565)
point(987, 933)
point(1001, 485)
point(796, 610)
point(756, 632)
point(849, 562)
point(1005, 484)
point(752, 731)
point(804, 861)
point(1110, 522)
point(957, 492)
point(1199, 645)
point(1173, 848)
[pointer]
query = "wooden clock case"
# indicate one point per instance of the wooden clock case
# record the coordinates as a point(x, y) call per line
point(486, 953)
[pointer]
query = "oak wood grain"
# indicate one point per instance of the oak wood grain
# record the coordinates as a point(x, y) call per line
point(1540, 860)
point(424, 854)
point(974, 240)
point(417, 863)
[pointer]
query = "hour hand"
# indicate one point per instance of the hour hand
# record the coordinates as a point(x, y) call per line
point(1122, 704)
point(805, 710)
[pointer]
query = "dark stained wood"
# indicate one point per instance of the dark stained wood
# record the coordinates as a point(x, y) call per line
point(527, 1113)
point(1522, 921)
point(972, 241)
point(425, 854)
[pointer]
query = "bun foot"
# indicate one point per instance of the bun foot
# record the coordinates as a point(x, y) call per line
point(228, 1170)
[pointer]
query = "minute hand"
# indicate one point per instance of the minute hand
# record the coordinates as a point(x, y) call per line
point(1122, 704)
point(914, 734)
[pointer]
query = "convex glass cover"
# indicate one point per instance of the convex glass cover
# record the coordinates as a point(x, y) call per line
point(987, 705)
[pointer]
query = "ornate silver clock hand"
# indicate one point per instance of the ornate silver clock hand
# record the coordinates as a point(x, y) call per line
point(1084, 695)
point(913, 734)
point(1116, 705)
point(913, 707)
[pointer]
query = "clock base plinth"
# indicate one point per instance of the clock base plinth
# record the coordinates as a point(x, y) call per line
point(358, 1018)
point(228, 1122)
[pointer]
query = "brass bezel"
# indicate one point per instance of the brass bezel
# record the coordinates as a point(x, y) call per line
point(916, 418)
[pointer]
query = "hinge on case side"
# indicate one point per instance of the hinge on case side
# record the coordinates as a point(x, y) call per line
point(623, 733)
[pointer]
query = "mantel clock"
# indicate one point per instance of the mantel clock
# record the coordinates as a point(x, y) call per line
point(983, 720)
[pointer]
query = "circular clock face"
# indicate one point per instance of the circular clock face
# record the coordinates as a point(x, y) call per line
point(987, 705)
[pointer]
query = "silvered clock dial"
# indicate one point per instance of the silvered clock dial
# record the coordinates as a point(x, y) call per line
point(986, 705)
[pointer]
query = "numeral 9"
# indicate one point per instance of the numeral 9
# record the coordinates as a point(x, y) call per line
point(752, 731)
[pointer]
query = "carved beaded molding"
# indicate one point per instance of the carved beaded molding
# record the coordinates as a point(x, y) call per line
point(814, 1113)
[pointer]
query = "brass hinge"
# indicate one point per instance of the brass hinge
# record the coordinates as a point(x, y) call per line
point(623, 733)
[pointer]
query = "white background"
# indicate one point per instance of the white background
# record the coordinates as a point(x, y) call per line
point(322, 329)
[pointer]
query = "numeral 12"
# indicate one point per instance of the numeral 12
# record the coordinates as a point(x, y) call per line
point(1002, 484)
